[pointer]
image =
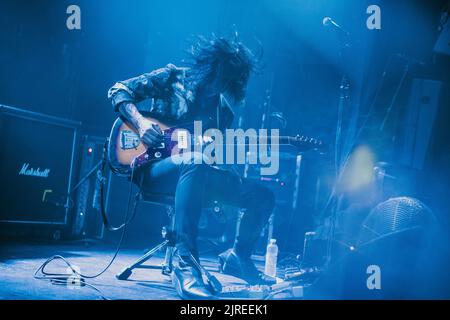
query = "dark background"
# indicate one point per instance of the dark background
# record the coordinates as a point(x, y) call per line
point(47, 68)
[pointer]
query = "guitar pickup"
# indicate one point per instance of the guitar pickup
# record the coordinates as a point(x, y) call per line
point(182, 138)
point(129, 140)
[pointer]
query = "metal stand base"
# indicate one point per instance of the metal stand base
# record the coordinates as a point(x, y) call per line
point(166, 267)
point(169, 243)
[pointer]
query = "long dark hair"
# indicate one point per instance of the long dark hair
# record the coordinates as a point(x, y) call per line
point(223, 64)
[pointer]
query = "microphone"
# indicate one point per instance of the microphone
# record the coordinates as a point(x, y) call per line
point(380, 173)
point(328, 22)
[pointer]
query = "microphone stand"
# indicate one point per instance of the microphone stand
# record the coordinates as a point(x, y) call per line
point(87, 175)
point(344, 97)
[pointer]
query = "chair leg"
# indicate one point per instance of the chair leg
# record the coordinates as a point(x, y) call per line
point(167, 265)
point(169, 243)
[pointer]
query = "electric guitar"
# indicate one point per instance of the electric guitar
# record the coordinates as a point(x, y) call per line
point(126, 152)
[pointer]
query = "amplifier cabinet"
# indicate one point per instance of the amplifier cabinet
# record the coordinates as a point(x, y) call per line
point(36, 167)
point(87, 222)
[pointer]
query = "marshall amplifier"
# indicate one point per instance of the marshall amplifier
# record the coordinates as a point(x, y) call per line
point(36, 166)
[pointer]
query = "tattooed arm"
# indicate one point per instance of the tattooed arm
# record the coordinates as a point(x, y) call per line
point(149, 132)
point(125, 94)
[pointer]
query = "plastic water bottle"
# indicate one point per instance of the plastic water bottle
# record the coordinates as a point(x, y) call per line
point(270, 268)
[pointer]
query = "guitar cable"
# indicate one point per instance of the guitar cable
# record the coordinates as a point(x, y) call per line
point(80, 278)
point(105, 220)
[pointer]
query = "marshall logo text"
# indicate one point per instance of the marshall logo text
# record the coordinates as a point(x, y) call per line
point(27, 171)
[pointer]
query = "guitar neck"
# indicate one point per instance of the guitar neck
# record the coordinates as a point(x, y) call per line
point(302, 142)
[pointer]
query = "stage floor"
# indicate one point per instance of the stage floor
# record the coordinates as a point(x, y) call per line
point(19, 261)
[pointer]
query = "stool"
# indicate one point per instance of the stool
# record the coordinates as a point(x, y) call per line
point(168, 234)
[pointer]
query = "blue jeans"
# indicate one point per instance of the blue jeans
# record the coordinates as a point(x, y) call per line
point(195, 186)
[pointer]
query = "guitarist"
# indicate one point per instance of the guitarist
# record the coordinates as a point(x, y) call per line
point(218, 68)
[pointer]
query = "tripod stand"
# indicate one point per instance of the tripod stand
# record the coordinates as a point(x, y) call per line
point(168, 235)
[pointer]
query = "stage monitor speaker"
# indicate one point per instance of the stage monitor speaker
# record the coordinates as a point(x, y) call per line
point(400, 255)
point(36, 166)
point(393, 216)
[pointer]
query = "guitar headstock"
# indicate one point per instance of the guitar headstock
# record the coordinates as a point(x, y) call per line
point(305, 143)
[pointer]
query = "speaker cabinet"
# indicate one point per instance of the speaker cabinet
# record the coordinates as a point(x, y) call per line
point(36, 166)
point(87, 222)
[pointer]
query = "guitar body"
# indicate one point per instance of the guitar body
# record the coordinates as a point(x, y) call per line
point(126, 150)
